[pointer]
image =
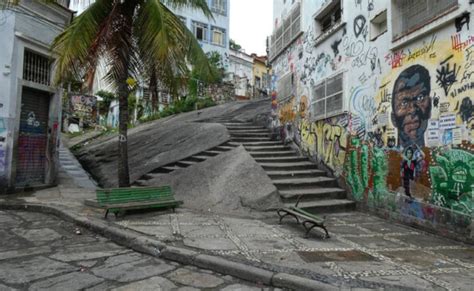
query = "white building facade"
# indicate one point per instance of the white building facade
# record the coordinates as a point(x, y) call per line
point(29, 104)
point(361, 85)
point(240, 72)
point(213, 35)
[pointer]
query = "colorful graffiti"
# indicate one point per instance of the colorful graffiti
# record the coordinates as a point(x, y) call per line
point(85, 108)
point(452, 178)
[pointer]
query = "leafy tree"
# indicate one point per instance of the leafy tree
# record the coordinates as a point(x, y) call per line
point(135, 38)
point(197, 78)
point(235, 46)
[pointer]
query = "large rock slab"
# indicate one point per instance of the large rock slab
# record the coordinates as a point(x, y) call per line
point(167, 140)
point(149, 147)
point(231, 182)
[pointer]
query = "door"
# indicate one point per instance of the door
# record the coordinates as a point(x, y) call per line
point(32, 140)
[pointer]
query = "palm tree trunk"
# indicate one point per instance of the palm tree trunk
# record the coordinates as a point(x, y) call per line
point(123, 170)
point(153, 91)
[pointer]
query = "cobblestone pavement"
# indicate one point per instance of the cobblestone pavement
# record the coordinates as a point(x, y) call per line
point(41, 252)
point(363, 250)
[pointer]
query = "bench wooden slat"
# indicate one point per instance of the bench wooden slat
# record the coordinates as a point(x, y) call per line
point(117, 199)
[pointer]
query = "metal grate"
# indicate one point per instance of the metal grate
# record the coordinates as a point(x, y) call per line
point(287, 32)
point(413, 14)
point(36, 68)
point(328, 97)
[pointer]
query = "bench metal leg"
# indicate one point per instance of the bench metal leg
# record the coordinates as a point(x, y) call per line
point(286, 213)
point(313, 226)
point(106, 213)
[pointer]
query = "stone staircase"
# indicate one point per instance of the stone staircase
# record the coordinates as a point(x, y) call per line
point(292, 174)
point(184, 163)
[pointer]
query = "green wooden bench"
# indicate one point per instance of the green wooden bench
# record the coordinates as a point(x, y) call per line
point(122, 199)
point(309, 220)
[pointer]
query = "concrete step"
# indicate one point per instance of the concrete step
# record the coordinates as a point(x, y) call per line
point(238, 124)
point(263, 143)
point(280, 159)
point(248, 139)
point(275, 175)
point(312, 194)
point(195, 159)
point(249, 134)
point(288, 166)
point(209, 153)
point(172, 168)
point(323, 206)
point(252, 130)
point(200, 157)
point(222, 148)
point(274, 154)
point(184, 163)
point(269, 148)
point(161, 170)
point(304, 183)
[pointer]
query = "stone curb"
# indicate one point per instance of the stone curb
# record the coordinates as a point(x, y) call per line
point(144, 244)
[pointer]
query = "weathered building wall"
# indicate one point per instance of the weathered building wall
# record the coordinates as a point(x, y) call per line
point(29, 137)
point(414, 92)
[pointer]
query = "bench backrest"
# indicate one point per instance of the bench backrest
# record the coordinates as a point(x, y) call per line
point(124, 195)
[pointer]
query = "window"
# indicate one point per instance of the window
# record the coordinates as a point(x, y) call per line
point(410, 15)
point(218, 36)
point(200, 31)
point(378, 25)
point(328, 97)
point(36, 68)
point(219, 6)
point(287, 32)
point(285, 86)
point(329, 17)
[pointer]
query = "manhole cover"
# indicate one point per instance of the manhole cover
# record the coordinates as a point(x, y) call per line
point(311, 257)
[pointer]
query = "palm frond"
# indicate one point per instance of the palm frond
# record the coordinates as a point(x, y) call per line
point(194, 4)
point(73, 46)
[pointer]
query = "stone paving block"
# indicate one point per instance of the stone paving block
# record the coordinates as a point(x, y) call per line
point(357, 218)
point(458, 281)
point(6, 288)
point(24, 271)
point(387, 228)
point(324, 244)
point(256, 230)
point(87, 252)
point(400, 282)
point(258, 243)
point(9, 241)
point(419, 259)
point(345, 229)
point(465, 255)
point(299, 283)
point(8, 221)
point(151, 284)
point(24, 252)
point(427, 240)
point(210, 243)
point(291, 260)
point(70, 281)
point(368, 267)
point(131, 267)
point(156, 230)
point(40, 235)
point(240, 287)
point(195, 279)
point(375, 242)
point(199, 231)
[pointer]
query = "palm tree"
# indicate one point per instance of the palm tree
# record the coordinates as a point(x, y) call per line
point(136, 38)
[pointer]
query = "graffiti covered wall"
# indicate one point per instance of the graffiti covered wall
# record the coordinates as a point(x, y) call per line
point(406, 111)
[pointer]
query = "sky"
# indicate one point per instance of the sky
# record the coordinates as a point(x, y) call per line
point(251, 23)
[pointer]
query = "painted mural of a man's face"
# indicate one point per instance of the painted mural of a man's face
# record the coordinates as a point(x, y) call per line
point(411, 105)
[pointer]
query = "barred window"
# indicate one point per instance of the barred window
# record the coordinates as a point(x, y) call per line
point(328, 97)
point(219, 6)
point(36, 68)
point(287, 32)
point(409, 15)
